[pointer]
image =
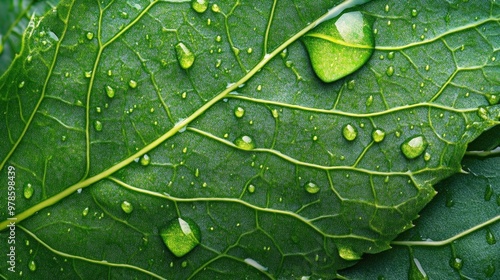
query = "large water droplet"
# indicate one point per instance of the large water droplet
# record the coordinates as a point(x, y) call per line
point(340, 46)
point(311, 187)
point(378, 135)
point(349, 132)
point(181, 236)
point(184, 56)
point(244, 142)
point(416, 271)
point(414, 147)
point(127, 207)
point(348, 254)
point(28, 191)
point(200, 6)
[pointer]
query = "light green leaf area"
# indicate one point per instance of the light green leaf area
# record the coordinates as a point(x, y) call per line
point(457, 236)
point(112, 140)
point(15, 17)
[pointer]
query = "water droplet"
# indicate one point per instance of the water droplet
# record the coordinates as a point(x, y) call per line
point(427, 67)
point(348, 253)
point(124, 15)
point(311, 187)
point(493, 99)
point(416, 271)
point(145, 160)
point(90, 35)
point(32, 265)
point(251, 188)
point(414, 12)
point(490, 270)
point(28, 191)
point(390, 71)
point(488, 193)
point(239, 112)
point(88, 74)
point(127, 207)
point(184, 56)
point(427, 156)
point(351, 84)
point(85, 212)
point(132, 84)
point(181, 236)
point(28, 59)
point(98, 126)
point(456, 263)
point(249, 50)
point(218, 38)
point(414, 147)
point(21, 84)
point(369, 101)
point(349, 132)
point(110, 92)
point(490, 237)
point(386, 9)
point(390, 55)
point(215, 8)
point(332, 61)
point(200, 6)
point(244, 142)
point(378, 135)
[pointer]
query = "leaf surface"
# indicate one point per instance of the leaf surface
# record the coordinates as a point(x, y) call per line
point(98, 112)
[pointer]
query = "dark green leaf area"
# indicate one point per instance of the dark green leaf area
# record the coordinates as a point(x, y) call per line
point(463, 202)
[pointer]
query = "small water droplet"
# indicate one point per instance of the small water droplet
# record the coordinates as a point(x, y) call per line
point(98, 126)
point(145, 160)
point(427, 67)
point(32, 265)
point(85, 212)
point(369, 101)
point(488, 192)
point(181, 236)
point(490, 237)
point(493, 99)
point(251, 188)
point(351, 84)
point(199, 6)
point(249, 50)
point(124, 15)
point(414, 147)
point(311, 187)
point(427, 156)
point(244, 142)
point(184, 55)
point(132, 84)
point(386, 8)
point(239, 112)
point(21, 84)
point(88, 74)
point(348, 253)
point(110, 92)
point(414, 12)
point(349, 132)
point(390, 71)
point(218, 38)
point(28, 191)
point(390, 55)
point(90, 35)
point(127, 207)
point(378, 135)
point(456, 263)
point(215, 8)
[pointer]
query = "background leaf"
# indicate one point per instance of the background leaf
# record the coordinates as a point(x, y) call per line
point(436, 79)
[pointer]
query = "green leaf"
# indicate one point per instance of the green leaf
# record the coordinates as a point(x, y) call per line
point(113, 139)
point(457, 236)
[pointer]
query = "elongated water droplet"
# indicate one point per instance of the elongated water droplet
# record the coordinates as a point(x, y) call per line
point(127, 207)
point(349, 132)
point(181, 236)
point(28, 191)
point(414, 147)
point(132, 84)
point(416, 271)
point(348, 253)
point(311, 187)
point(490, 237)
point(389, 71)
point(488, 192)
point(184, 56)
point(239, 112)
point(378, 135)
point(110, 92)
point(85, 212)
point(339, 46)
point(244, 142)
point(32, 265)
point(200, 6)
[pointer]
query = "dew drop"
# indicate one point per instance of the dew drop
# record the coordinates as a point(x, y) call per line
point(199, 6)
point(98, 126)
point(488, 193)
point(127, 207)
point(251, 188)
point(414, 12)
point(456, 263)
point(132, 84)
point(416, 271)
point(244, 142)
point(32, 265)
point(493, 99)
point(390, 55)
point(184, 56)
point(28, 191)
point(88, 74)
point(218, 38)
point(110, 92)
point(427, 156)
point(490, 270)
point(378, 135)
point(386, 8)
point(90, 35)
point(369, 101)
point(348, 253)
point(332, 61)
point(181, 236)
point(85, 212)
point(483, 113)
point(349, 132)
point(21, 84)
point(239, 112)
point(351, 84)
point(427, 67)
point(145, 160)
point(215, 8)
point(414, 147)
point(311, 187)
point(390, 71)
point(490, 237)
